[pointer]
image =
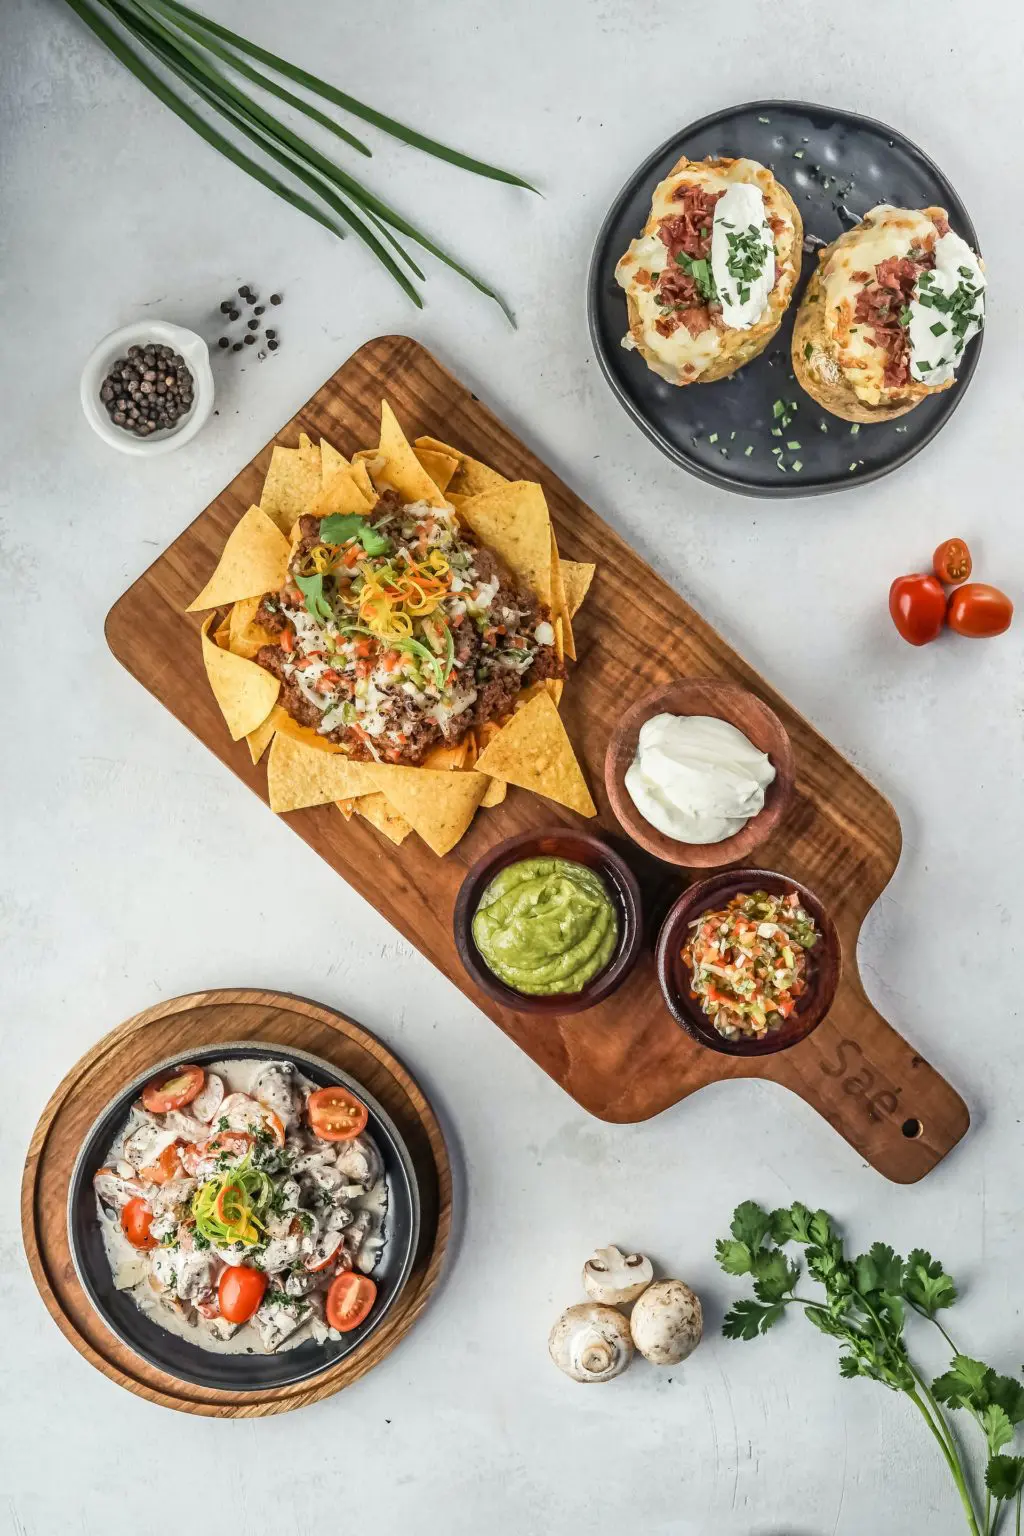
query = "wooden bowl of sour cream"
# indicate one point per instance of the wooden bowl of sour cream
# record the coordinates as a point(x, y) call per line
point(690, 698)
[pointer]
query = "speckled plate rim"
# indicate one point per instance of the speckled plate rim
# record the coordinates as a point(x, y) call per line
point(789, 489)
point(268, 1050)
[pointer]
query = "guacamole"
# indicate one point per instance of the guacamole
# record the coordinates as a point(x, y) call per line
point(546, 925)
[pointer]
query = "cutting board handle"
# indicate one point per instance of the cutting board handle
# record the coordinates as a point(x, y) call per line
point(874, 1088)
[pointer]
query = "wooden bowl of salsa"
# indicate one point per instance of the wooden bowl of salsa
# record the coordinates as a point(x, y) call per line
point(559, 911)
point(822, 961)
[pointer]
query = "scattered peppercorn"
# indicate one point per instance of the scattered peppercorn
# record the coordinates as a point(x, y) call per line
point(248, 340)
point(233, 314)
point(224, 342)
point(237, 347)
point(148, 390)
point(243, 292)
point(254, 325)
point(260, 309)
point(273, 345)
point(225, 308)
point(275, 298)
point(270, 334)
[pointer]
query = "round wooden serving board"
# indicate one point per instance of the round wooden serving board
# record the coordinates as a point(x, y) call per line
point(173, 1027)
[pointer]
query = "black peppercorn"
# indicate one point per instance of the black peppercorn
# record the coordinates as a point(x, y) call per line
point(249, 340)
point(272, 345)
point(275, 298)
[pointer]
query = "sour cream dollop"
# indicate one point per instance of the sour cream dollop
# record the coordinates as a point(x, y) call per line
point(742, 255)
point(697, 779)
point(938, 336)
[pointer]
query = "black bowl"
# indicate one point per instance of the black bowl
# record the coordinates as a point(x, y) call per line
point(836, 165)
point(561, 843)
point(825, 961)
point(181, 1358)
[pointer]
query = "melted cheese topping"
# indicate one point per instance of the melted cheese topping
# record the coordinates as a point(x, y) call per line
point(681, 357)
point(885, 232)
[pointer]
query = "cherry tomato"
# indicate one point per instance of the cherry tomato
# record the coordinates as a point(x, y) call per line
point(335, 1114)
point(979, 611)
point(173, 1089)
point(240, 1291)
point(918, 608)
point(952, 562)
point(349, 1301)
point(136, 1220)
point(167, 1165)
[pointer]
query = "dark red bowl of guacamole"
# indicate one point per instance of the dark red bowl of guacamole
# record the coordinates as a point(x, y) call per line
point(579, 941)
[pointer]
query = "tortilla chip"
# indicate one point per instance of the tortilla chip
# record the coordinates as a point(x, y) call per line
point(576, 578)
point(298, 776)
point(494, 794)
point(402, 469)
point(439, 804)
point(513, 521)
point(305, 734)
point(449, 757)
point(533, 751)
point(348, 807)
point(472, 477)
point(361, 476)
point(246, 636)
point(342, 493)
point(380, 813)
point(439, 466)
point(259, 740)
point(309, 453)
point(222, 634)
point(253, 561)
point(291, 487)
point(554, 686)
point(559, 603)
point(330, 461)
point(245, 693)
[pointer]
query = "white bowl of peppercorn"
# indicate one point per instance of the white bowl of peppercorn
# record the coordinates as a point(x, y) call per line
point(148, 388)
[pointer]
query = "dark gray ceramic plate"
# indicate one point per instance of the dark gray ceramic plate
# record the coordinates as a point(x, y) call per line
point(836, 165)
point(178, 1356)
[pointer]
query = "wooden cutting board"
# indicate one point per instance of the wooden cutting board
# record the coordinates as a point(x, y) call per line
point(626, 1059)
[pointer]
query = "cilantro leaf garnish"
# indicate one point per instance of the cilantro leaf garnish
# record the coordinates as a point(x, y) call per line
point(312, 589)
point(342, 526)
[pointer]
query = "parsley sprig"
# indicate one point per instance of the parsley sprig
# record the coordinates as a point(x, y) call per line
point(866, 1305)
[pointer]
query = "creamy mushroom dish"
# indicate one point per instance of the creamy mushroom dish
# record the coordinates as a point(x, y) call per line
point(243, 1207)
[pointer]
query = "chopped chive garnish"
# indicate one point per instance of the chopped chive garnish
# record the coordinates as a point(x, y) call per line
point(748, 451)
point(901, 429)
point(797, 466)
point(855, 429)
point(724, 452)
point(938, 329)
point(778, 408)
point(779, 465)
point(776, 431)
point(808, 349)
point(713, 437)
point(823, 426)
point(764, 119)
point(798, 154)
point(792, 447)
point(776, 451)
point(853, 467)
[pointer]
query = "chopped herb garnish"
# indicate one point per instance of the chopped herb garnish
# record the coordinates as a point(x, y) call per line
point(855, 429)
point(748, 451)
point(808, 349)
point(792, 446)
point(798, 154)
point(764, 119)
point(796, 466)
point(938, 329)
point(776, 431)
point(713, 437)
point(778, 408)
point(700, 271)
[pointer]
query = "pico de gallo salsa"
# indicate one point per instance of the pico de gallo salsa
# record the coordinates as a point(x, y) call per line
point(748, 962)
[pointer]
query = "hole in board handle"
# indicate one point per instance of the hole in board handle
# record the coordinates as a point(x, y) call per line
point(912, 1128)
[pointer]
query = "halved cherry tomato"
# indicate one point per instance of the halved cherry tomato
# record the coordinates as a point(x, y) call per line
point(240, 1291)
point(167, 1165)
point(330, 1247)
point(952, 562)
point(335, 1114)
point(349, 1301)
point(979, 611)
point(173, 1089)
point(918, 608)
point(136, 1220)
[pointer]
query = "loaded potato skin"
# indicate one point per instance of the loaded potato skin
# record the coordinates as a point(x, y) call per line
point(711, 275)
point(886, 315)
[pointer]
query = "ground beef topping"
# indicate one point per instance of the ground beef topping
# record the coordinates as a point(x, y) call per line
point(397, 633)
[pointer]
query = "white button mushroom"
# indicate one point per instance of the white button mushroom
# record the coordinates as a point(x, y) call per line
point(667, 1322)
point(616, 1278)
point(591, 1342)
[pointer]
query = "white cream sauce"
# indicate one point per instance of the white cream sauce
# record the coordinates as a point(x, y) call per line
point(131, 1269)
point(936, 347)
point(742, 237)
point(697, 778)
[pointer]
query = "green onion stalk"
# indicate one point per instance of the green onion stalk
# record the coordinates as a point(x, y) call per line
point(211, 62)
